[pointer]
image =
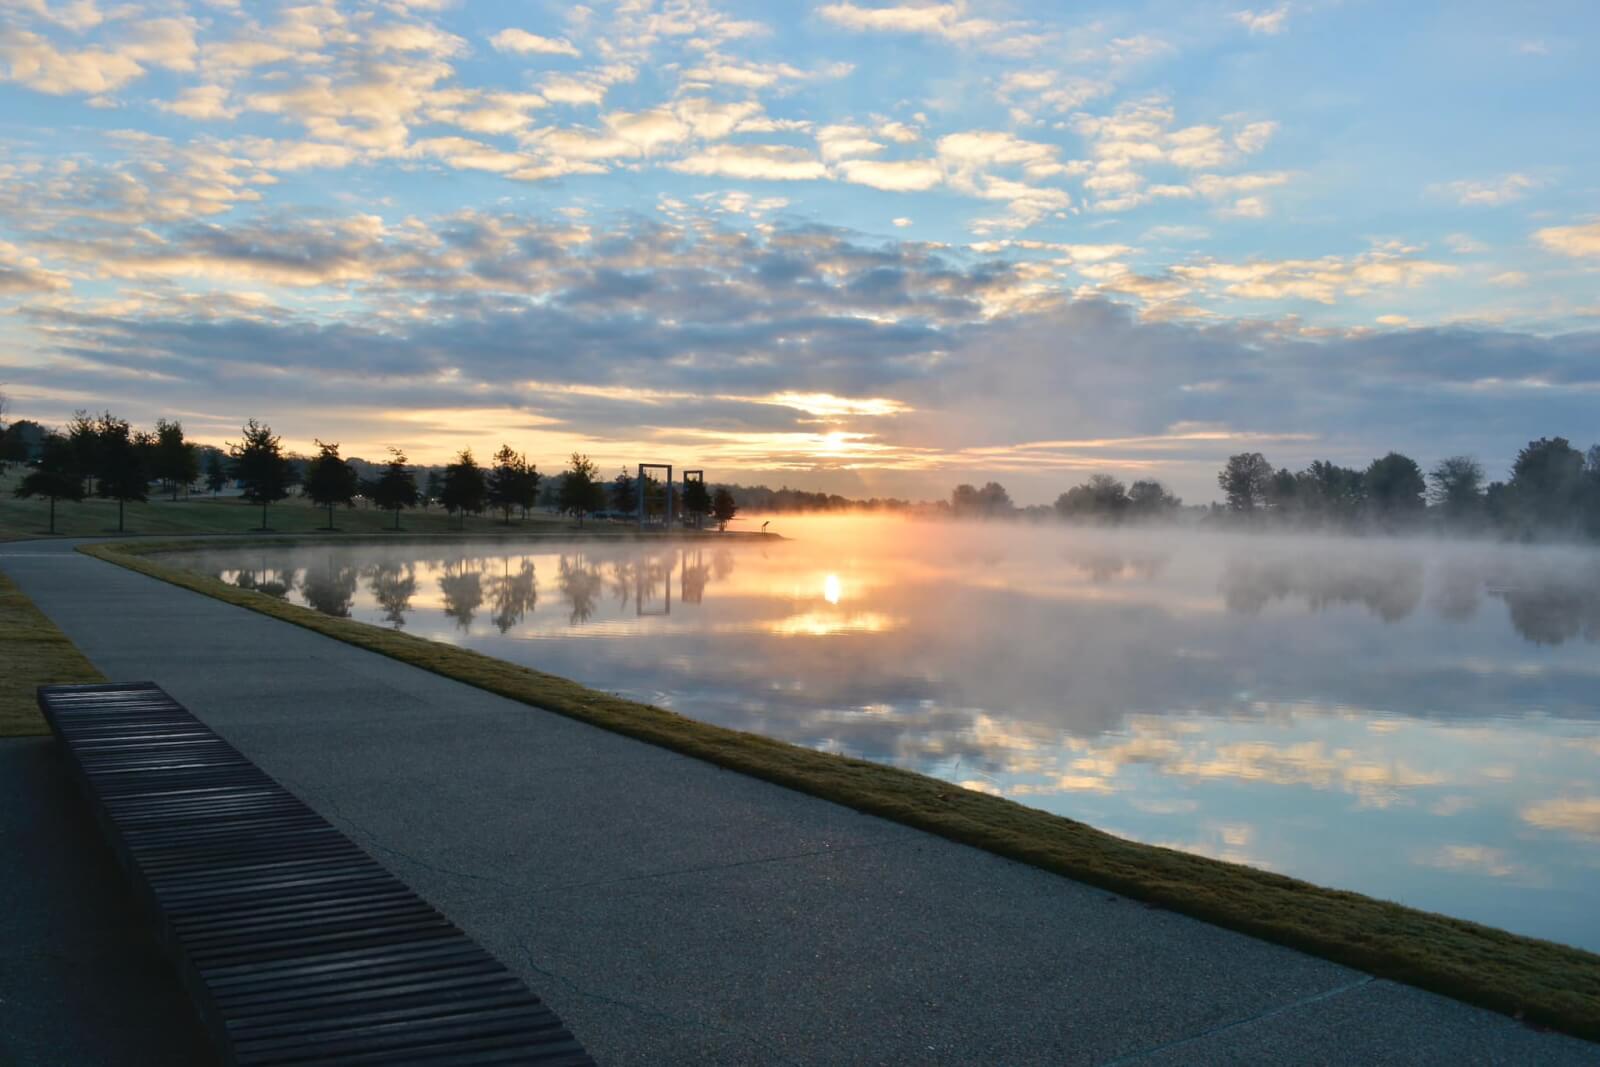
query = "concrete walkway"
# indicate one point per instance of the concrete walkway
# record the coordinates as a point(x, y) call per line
point(673, 912)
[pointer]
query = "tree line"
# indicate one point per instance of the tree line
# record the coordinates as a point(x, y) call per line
point(105, 457)
point(1553, 490)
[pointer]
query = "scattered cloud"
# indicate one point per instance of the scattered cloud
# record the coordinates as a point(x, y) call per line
point(1579, 241)
point(1269, 22)
point(1490, 193)
point(523, 43)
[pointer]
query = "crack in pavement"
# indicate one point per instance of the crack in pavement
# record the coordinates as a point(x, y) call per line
point(1315, 998)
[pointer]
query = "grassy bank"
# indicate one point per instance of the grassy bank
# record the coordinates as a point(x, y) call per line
point(228, 515)
point(1545, 983)
point(32, 653)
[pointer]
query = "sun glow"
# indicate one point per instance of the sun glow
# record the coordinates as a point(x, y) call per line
point(830, 589)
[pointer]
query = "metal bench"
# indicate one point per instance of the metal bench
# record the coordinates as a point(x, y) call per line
point(297, 947)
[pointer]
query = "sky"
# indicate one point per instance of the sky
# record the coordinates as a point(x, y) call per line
point(871, 248)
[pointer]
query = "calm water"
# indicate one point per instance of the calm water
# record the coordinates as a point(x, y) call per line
point(1415, 720)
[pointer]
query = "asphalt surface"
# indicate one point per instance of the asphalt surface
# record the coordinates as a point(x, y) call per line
point(674, 912)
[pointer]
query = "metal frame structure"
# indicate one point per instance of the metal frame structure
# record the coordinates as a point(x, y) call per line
point(643, 485)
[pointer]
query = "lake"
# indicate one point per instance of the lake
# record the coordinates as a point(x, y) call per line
point(1417, 720)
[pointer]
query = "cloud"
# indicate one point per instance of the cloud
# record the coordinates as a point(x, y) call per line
point(202, 102)
point(32, 61)
point(766, 162)
point(898, 176)
point(1269, 22)
point(521, 42)
point(1579, 241)
point(1491, 193)
point(946, 21)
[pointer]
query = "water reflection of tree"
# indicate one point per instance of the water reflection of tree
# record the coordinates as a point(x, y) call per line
point(1104, 565)
point(580, 582)
point(275, 579)
point(1552, 609)
point(330, 589)
point(393, 585)
point(1390, 588)
point(620, 579)
point(1459, 590)
point(512, 595)
point(462, 588)
point(696, 572)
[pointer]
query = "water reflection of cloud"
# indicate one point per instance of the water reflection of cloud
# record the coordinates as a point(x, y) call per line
point(1574, 815)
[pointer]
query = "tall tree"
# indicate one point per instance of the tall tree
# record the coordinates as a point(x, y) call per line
point(1394, 487)
point(1455, 486)
point(260, 467)
point(624, 493)
point(331, 480)
point(581, 491)
point(464, 487)
point(696, 501)
point(1245, 481)
point(723, 507)
point(1547, 483)
point(216, 471)
point(397, 486)
point(176, 462)
point(120, 472)
point(506, 480)
point(57, 477)
point(83, 437)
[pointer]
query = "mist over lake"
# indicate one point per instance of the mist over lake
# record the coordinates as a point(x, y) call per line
point(1414, 719)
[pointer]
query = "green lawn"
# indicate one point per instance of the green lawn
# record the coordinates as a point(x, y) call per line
point(32, 653)
point(1555, 985)
point(204, 515)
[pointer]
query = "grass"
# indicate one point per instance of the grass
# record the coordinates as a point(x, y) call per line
point(1542, 982)
point(226, 515)
point(32, 653)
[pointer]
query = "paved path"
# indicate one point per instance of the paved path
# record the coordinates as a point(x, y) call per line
point(674, 912)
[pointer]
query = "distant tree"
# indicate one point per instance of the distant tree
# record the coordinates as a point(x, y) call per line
point(83, 437)
point(397, 486)
point(57, 477)
point(216, 472)
point(1547, 483)
point(507, 480)
point(331, 480)
point(434, 490)
point(992, 500)
point(696, 501)
point(1283, 492)
point(1150, 499)
point(1245, 481)
point(528, 479)
point(120, 472)
point(1455, 486)
point(1329, 492)
point(723, 507)
point(21, 440)
point(964, 501)
point(581, 492)
point(260, 467)
point(1102, 498)
point(464, 487)
point(1394, 487)
point(624, 493)
point(176, 462)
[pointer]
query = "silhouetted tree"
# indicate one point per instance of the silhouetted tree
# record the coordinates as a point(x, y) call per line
point(21, 441)
point(1101, 498)
point(624, 493)
point(1328, 491)
point(464, 488)
point(397, 486)
point(57, 477)
point(83, 437)
point(176, 462)
point(696, 501)
point(1456, 487)
point(581, 493)
point(260, 467)
point(330, 479)
point(723, 507)
point(511, 482)
point(1245, 481)
point(1149, 499)
point(120, 472)
point(1394, 487)
point(1547, 483)
point(216, 472)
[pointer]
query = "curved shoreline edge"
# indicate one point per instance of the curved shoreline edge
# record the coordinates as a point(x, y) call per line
point(1540, 982)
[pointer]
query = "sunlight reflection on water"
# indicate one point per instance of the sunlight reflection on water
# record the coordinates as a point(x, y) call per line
point(1412, 719)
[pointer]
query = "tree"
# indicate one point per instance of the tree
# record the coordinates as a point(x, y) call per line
point(463, 487)
point(216, 472)
point(581, 493)
point(22, 440)
point(696, 501)
point(83, 437)
point(1102, 497)
point(397, 486)
point(260, 467)
point(1148, 499)
point(57, 477)
point(528, 479)
point(435, 488)
point(1547, 482)
point(1394, 487)
point(120, 472)
point(624, 493)
point(506, 481)
point(1456, 487)
point(1329, 491)
point(1245, 480)
point(174, 461)
point(723, 508)
point(967, 501)
point(330, 480)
